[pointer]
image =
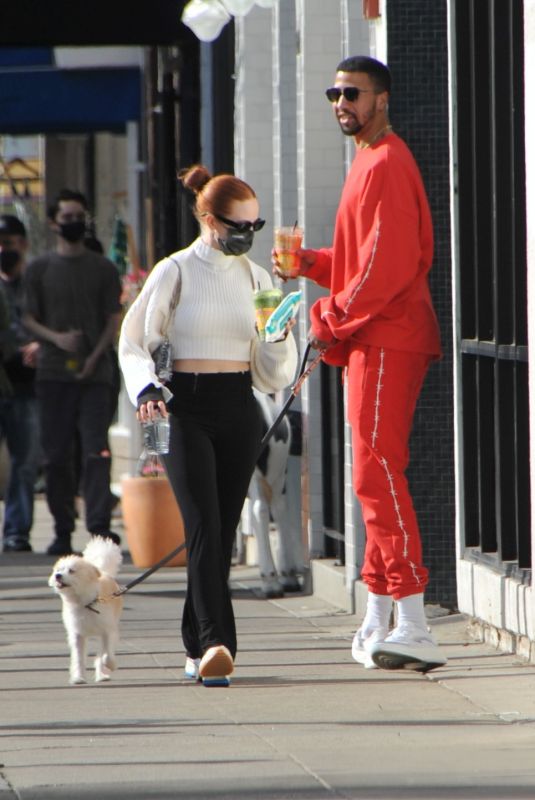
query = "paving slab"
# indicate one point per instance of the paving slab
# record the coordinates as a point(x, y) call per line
point(300, 720)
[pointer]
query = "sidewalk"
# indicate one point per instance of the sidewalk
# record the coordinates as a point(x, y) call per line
point(300, 720)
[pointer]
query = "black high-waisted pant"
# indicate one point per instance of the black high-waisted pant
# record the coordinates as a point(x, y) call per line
point(214, 443)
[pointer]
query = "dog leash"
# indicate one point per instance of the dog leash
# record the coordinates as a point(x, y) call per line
point(302, 375)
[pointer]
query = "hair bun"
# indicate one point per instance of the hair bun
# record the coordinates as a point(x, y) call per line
point(194, 178)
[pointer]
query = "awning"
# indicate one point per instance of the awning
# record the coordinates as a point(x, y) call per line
point(45, 99)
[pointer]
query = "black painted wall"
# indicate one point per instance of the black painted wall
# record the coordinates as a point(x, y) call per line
point(418, 59)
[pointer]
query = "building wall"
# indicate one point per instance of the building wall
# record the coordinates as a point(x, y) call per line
point(529, 56)
point(418, 58)
point(253, 127)
point(287, 144)
point(503, 607)
point(308, 160)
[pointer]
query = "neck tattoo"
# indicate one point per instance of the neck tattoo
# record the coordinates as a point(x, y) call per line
point(378, 135)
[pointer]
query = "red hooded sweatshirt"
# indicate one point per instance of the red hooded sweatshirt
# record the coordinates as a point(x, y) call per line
point(377, 267)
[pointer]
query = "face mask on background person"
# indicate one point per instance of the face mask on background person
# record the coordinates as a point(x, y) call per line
point(236, 243)
point(72, 231)
point(8, 261)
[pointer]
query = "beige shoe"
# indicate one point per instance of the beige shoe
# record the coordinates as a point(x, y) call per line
point(216, 666)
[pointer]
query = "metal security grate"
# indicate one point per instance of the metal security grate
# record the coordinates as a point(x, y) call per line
point(492, 279)
point(332, 404)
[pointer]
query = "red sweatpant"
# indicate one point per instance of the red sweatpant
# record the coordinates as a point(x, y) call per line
point(383, 387)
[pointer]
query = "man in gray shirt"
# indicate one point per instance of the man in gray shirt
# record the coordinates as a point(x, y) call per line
point(73, 308)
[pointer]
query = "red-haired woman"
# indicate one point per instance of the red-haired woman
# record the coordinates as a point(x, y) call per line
point(215, 422)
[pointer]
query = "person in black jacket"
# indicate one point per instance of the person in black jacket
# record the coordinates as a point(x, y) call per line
point(18, 412)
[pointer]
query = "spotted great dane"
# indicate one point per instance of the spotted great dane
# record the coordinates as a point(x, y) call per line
point(268, 501)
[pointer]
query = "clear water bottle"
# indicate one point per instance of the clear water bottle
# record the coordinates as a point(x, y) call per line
point(156, 436)
point(149, 466)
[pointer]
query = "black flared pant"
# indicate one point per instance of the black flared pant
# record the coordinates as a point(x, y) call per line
point(215, 439)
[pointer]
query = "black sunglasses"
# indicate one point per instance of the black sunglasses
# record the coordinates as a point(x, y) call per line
point(242, 227)
point(351, 93)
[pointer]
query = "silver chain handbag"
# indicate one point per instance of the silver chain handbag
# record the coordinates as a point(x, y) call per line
point(163, 356)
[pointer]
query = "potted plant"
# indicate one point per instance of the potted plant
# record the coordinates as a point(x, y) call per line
point(152, 520)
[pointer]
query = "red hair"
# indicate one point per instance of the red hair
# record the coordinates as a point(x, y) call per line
point(214, 194)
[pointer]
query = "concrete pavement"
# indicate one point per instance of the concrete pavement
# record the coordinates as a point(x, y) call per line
point(300, 720)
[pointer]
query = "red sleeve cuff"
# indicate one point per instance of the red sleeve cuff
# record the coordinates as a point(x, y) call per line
point(320, 330)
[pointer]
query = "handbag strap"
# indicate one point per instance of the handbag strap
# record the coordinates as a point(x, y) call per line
point(251, 275)
point(175, 297)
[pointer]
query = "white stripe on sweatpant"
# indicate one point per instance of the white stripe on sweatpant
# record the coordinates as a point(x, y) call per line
point(384, 464)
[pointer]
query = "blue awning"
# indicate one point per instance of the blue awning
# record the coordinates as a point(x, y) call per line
point(26, 56)
point(44, 99)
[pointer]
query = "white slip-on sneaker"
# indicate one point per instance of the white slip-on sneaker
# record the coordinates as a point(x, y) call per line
point(408, 647)
point(360, 649)
point(216, 666)
point(191, 670)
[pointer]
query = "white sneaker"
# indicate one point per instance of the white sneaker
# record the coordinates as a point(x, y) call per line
point(408, 647)
point(191, 670)
point(360, 649)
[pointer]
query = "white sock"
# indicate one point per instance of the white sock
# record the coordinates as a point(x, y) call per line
point(411, 609)
point(378, 610)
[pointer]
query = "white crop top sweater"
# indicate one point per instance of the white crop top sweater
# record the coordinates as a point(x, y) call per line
point(214, 319)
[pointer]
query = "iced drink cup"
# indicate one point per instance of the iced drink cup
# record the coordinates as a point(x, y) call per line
point(265, 302)
point(287, 242)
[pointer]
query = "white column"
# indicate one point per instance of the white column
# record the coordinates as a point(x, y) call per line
point(253, 132)
point(284, 114)
point(356, 33)
point(319, 179)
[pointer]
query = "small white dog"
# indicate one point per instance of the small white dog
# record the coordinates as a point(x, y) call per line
point(86, 586)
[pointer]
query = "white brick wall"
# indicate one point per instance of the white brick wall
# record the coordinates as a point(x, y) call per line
point(284, 114)
point(253, 143)
point(288, 143)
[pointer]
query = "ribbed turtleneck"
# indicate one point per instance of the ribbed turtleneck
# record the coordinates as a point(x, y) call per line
point(215, 316)
point(214, 319)
point(212, 257)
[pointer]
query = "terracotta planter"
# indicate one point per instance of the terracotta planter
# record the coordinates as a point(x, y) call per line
point(152, 521)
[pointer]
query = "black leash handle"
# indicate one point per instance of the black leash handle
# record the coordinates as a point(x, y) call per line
point(303, 374)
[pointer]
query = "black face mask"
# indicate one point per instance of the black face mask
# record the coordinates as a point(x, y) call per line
point(9, 260)
point(72, 231)
point(237, 242)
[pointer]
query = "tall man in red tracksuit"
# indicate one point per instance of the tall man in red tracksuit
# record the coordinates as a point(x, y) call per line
point(378, 321)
